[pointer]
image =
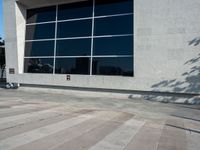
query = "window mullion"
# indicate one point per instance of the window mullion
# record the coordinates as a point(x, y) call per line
point(55, 42)
point(92, 38)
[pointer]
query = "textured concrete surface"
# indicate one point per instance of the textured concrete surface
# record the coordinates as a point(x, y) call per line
point(45, 121)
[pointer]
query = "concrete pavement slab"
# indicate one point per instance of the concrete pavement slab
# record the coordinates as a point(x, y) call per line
point(57, 139)
point(88, 139)
point(173, 136)
point(61, 125)
point(39, 133)
point(149, 134)
point(118, 139)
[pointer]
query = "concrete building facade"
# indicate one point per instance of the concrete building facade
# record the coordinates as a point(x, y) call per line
point(2, 63)
point(165, 53)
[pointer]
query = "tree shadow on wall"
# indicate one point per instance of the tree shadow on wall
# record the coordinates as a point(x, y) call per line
point(189, 84)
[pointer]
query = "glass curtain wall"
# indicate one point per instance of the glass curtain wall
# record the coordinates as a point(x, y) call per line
point(93, 37)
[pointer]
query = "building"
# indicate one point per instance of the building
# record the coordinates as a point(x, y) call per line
point(2, 63)
point(2, 55)
point(140, 45)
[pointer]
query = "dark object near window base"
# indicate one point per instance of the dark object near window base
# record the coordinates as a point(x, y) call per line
point(38, 65)
point(80, 65)
point(122, 66)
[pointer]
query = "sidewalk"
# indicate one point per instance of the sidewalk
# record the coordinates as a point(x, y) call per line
point(37, 120)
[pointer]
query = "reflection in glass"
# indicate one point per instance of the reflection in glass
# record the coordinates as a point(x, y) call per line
point(111, 7)
point(113, 45)
point(44, 14)
point(38, 65)
point(39, 48)
point(74, 47)
point(73, 65)
point(114, 25)
point(74, 38)
point(75, 10)
point(74, 28)
point(122, 66)
point(40, 31)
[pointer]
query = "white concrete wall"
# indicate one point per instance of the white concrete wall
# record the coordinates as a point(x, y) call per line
point(21, 25)
point(166, 53)
point(10, 27)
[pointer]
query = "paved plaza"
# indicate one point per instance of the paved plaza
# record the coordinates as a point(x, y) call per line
point(47, 121)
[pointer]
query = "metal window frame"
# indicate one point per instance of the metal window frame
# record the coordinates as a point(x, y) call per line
point(78, 19)
point(92, 37)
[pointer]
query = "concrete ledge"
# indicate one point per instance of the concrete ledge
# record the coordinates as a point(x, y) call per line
point(119, 94)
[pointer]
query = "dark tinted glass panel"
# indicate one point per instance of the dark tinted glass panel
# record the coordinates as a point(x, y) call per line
point(113, 45)
point(75, 47)
point(41, 14)
point(113, 66)
point(38, 65)
point(39, 48)
point(40, 31)
point(114, 25)
point(110, 7)
point(73, 65)
point(75, 10)
point(74, 28)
